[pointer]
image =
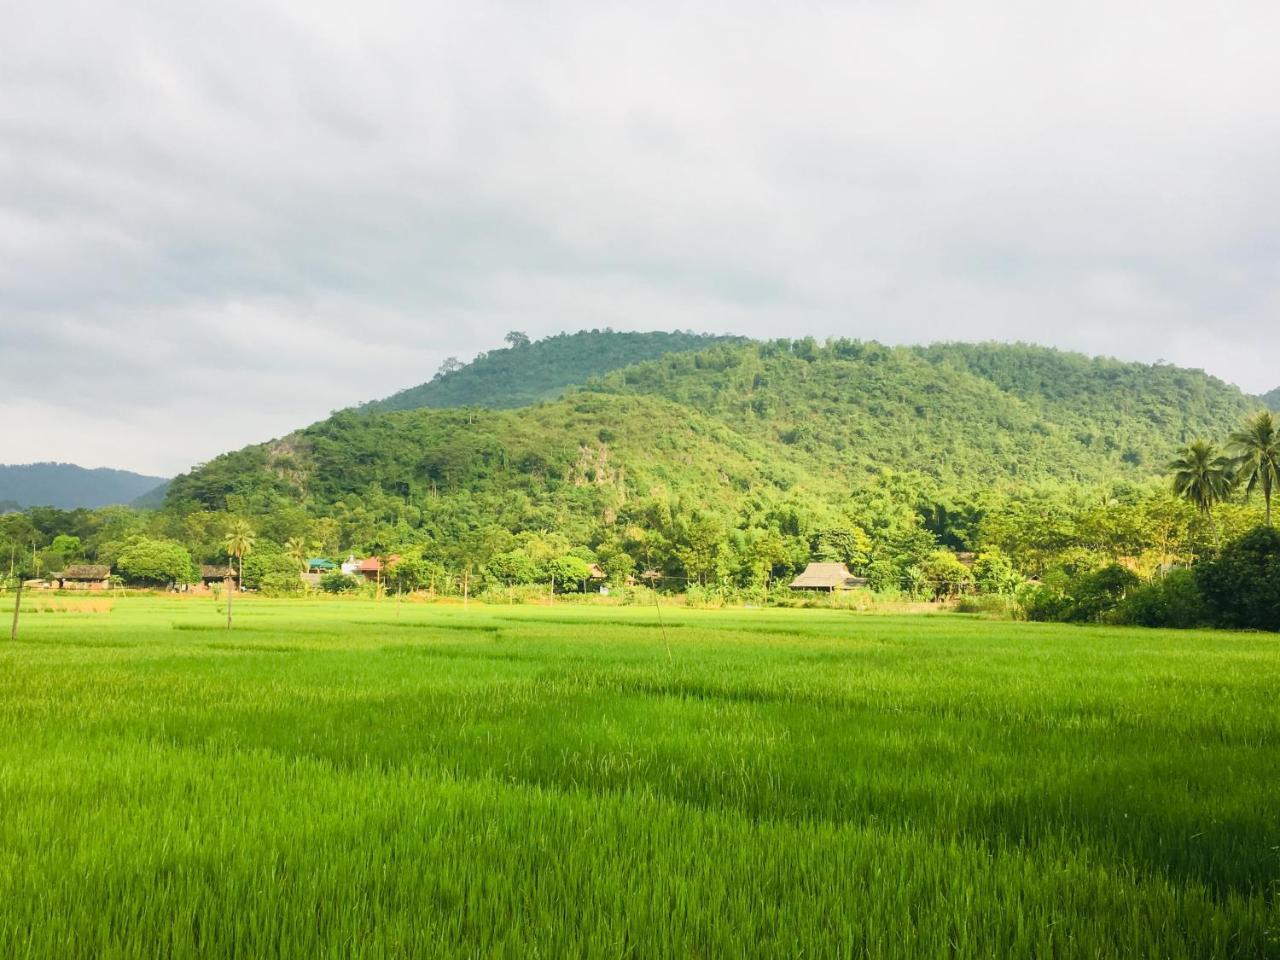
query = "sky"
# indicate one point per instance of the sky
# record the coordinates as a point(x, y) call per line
point(222, 221)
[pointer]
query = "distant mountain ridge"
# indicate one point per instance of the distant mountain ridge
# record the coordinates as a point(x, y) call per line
point(1272, 399)
point(68, 486)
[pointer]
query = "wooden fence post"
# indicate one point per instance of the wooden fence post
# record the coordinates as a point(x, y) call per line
point(17, 605)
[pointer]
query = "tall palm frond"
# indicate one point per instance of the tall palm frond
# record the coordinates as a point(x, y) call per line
point(1256, 464)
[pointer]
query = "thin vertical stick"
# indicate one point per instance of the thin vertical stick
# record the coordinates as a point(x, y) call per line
point(17, 605)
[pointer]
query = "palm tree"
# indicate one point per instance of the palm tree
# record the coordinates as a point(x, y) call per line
point(296, 548)
point(1202, 477)
point(1257, 460)
point(238, 542)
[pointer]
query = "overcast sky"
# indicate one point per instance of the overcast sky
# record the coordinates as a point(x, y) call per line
point(221, 221)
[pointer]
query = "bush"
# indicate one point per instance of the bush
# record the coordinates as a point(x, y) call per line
point(338, 582)
point(1095, 595)
point(1175, 601)
point(1085, 598)
point(282, 585)
point(264, 565)
point(1241, 587)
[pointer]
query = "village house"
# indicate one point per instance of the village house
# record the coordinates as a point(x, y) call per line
point(85, 576)
point(211, 574)
point(827, 576)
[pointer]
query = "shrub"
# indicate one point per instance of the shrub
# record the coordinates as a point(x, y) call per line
point(1242, 585)
point(264, 564)
point(281, 585)
point(338, 582)
point(1175, 601)
point(1095, 595)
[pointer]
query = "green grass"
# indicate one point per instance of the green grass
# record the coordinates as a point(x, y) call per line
point(336, 779)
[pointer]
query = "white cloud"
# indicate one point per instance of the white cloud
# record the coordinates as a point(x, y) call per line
point(245, 215)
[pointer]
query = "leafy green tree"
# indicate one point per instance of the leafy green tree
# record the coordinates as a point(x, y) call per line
point(265, 564)
point(1242, 584)
point(993, 572)
point(335, 581)
point(1257, 460)
point(155, 562)
point(569, 572)
point(513, 567)
point(515, 339)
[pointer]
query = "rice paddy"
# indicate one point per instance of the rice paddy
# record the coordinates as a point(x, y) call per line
point(361, 779)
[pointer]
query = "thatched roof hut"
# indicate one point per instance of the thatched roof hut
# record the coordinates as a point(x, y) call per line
point(827, 576)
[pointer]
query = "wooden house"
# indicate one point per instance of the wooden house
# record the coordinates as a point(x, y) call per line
point(85, 576)
point(210, 575)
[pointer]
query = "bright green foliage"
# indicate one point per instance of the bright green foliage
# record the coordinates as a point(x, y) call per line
point(335, 581)
point(1242, 584)
point(513, 567)
point(1201, 476)
point(1257, 462)
point(525, 373)
point(568, 572)
point(1174, 600)
point(154, 562)
point(263, 565)
point(361, 779)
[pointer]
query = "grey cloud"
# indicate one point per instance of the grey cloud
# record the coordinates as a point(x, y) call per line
point(245, 215)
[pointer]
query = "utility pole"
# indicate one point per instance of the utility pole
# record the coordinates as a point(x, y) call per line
point(17, 605)
point(466, 585)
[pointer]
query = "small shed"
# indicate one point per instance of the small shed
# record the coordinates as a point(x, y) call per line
point(827, 576)
point(597, 572)
point(320, 565)
point(216, 573)
point(86, 576)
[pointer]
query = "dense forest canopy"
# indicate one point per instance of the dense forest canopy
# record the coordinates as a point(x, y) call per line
point(528, 371)
point(1272, 399)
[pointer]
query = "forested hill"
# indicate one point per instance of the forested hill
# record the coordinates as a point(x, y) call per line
point(527, 372)
point(736, 423)
point(68, 486)
point(963, 413)
point(1272, 399)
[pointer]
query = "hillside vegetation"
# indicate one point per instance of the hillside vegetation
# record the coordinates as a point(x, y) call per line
point(540, 370)
point(1272, 399)
point(728, 467)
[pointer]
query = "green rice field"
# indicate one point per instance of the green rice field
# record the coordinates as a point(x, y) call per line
point(364, 779)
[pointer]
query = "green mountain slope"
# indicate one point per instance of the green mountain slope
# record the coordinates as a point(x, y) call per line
point(779, 450)
point(968, 415)
point(67, 486)
point(541, 370)
point(1133, 408)
point(774, 416)
point(1272, 399)
point(564, 466)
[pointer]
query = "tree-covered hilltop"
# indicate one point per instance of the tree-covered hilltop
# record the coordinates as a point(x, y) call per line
point(965, 414)
point(1272, 399)
point(1130, 408)
point(528, 371)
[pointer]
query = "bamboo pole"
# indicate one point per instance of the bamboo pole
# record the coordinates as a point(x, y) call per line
point(17, 605)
